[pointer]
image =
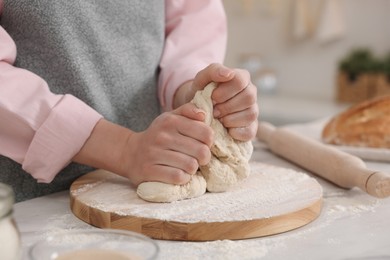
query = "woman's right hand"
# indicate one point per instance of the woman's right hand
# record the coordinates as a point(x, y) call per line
point(170, 149)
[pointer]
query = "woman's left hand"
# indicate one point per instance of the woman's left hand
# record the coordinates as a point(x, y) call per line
point(235, 99)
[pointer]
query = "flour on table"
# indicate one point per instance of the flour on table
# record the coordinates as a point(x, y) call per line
point(215, 250)
point(268, 191)
point(229, 162)
point(338, 203)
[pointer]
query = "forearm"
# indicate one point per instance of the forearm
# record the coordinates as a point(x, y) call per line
point(186, 52)
point(43, 131)
point(106, 147)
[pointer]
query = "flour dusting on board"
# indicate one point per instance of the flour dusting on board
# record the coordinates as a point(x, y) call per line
point(253, 198)
point(337, 204)
point(85, 187)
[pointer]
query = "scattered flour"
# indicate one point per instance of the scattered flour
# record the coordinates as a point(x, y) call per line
point(268, 191)
point(86, 187)
point(214, 250)
point(337, 203)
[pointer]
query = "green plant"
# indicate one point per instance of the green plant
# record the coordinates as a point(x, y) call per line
point(360, 61)
point(386, 66)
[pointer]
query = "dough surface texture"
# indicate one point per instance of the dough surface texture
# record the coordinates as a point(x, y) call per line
point(163, 192)
point(229, 162)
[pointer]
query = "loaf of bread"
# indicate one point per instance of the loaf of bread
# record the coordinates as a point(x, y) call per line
point(366, 124)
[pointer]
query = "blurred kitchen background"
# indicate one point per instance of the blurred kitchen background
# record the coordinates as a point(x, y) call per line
point(294, 48)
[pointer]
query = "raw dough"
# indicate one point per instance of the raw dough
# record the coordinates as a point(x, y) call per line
point(228, 165)
point(230, 158)
point(163, 192)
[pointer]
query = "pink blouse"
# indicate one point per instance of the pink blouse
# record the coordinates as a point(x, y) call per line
point(43, 131)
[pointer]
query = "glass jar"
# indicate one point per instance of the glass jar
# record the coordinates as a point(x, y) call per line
point(10, 246)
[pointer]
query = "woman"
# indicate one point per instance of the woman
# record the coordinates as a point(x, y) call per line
point(85, 88)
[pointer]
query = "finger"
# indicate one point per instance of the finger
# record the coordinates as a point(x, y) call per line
point(198, 131)
point(229, 89)
point(213, 73)
point(242, 118)
point(186, 136)
point(243, 100)
point(244, 133)
point(185, 153)
point(193, 129)
point(190, 111)
point(179, 160)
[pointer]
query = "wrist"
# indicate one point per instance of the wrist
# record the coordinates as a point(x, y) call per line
point(105, 147)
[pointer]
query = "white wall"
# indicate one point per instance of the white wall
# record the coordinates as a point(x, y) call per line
point(306, 68)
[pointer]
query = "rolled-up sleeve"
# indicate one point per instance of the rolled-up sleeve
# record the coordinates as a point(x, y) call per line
point(38, 129)
point(196, 34)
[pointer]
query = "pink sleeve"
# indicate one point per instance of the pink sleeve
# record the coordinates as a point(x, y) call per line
point(195, 37)
point(38, 129)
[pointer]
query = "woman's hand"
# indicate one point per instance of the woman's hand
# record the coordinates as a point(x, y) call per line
point(177, 142)
point(171, 149)
point(235, 99)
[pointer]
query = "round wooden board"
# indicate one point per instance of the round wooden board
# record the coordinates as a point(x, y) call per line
point(270, 201)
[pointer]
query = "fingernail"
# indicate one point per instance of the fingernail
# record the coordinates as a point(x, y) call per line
point(199, 111)
point(225, 72)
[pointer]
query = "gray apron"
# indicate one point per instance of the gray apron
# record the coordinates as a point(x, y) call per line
point(106, 53)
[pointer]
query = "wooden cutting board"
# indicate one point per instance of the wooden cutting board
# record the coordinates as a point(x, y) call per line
point(270, 201)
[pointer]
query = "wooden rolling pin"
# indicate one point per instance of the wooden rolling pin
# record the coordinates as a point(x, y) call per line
point(341, 168)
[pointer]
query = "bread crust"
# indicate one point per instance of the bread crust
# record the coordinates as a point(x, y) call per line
point(366, 124)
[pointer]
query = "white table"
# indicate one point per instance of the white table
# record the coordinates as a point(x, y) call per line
point(282, 110)
point(352, 225)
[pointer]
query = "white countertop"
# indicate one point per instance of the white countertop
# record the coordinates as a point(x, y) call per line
point(282, 110)
point(352, 225)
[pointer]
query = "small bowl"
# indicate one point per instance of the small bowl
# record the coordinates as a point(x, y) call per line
point(95, 244)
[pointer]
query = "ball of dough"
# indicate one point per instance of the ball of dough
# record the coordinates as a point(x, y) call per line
point(229, 162)
point(163, 192)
